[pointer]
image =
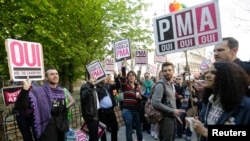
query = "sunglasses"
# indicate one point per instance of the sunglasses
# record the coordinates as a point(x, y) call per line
point(178, 79)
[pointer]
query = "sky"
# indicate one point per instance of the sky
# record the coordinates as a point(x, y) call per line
point(234, 15)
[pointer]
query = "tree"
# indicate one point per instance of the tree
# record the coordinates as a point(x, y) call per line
point(74, 32)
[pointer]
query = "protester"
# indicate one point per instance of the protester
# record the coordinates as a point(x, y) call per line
point(189, 103)
point(24, 117)
point(146, 87)
point(48, 105)
point(178, 89)
point(167, 126)
point(131, 103)
point(227, 51)
point(89, 106)
point(224, 98)
point(155, 127)
point(107, 103)
point(178, 94)
point(70, 102)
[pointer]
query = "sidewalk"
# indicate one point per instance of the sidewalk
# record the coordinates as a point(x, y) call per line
point(146, 136)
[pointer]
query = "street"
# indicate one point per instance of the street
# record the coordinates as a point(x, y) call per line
point(146, 136)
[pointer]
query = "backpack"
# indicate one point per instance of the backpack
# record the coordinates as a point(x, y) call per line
point(151, 114)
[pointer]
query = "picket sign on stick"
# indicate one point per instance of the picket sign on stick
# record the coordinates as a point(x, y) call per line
point(191, 28)
point(24, 59)
point(122, 50)
point(96, 70)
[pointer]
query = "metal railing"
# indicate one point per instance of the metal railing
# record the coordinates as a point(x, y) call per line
point(11, 131)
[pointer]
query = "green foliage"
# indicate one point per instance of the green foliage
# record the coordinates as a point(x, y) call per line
point(73, 33)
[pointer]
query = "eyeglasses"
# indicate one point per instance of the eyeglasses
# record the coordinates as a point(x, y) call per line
point(178, 79)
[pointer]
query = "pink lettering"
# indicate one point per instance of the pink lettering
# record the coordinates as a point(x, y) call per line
point(21, 56)
point(32, 55)
point(122, 53)
point(38, 55)
point(13, 47)
point(97, 73)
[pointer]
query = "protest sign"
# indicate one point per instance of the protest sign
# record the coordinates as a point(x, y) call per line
point(96, 70)
point(109, 64)
point(152, 69)
point(25, 59)
point(122, 50)
point(159, 58)
point(141, 57)
point(187, 29)
point(205, 64)
point(10, 94)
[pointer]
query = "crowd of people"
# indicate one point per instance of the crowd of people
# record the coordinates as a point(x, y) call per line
point(214, 98)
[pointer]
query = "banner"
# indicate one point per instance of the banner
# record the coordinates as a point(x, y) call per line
point(25, 59)
point(187, 29)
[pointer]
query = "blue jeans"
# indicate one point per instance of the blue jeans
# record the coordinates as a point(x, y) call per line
point(132, 118)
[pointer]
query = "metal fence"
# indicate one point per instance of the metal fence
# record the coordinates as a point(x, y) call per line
point(9, 130)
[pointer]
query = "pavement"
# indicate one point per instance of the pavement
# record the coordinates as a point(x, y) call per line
point(146, 136)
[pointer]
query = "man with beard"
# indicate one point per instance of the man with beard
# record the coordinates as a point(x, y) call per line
point(48, 107)
point(166, 103)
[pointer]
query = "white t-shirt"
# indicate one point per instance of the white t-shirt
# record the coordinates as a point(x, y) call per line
point(215, 112)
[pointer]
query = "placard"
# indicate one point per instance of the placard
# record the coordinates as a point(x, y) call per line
point(187, 29)
point(141, 57)
point(96, 70)
point(25, 59)
point(122, 50)
point(110, 64)
point(10, 94)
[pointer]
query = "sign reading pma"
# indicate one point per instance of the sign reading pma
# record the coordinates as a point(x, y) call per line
point(141, 57)
point(96, 70)
point(109, 64)
point(25, 59)
point(191, 28)
point(122, 50)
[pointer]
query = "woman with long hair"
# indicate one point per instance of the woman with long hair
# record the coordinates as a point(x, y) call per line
point(132, 99)
point(225, 101)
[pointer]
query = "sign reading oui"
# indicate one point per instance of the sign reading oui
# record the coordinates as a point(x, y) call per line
point(25, 59)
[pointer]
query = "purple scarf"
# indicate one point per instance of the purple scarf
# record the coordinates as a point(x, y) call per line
point(41, 101)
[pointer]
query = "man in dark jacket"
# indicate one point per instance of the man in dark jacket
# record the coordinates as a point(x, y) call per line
point(89, 107)
point(107, 103)
point(46, 106)
point(227, 51)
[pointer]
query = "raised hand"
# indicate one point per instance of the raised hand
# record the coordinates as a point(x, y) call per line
point(27, 83)
point(115, 74)
point(124, 62)
point(92, 80)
